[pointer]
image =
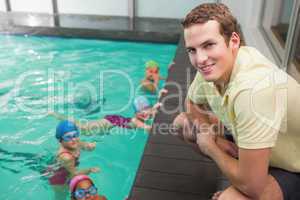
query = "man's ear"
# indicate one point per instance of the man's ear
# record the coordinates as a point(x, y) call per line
point(235, 40)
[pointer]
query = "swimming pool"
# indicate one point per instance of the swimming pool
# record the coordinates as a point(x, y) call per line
point(38, 74)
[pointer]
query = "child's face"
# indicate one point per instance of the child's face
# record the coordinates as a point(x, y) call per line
point(152, 70)
point(70, 140)
point(85, 190)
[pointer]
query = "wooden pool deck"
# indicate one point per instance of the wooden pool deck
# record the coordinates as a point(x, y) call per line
point(170, 169)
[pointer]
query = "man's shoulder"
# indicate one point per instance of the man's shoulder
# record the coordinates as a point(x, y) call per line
point(254, 70)
point(248, 57)
point(259, 84)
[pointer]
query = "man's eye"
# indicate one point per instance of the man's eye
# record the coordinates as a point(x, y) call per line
point(209, 45)
point(191, 51)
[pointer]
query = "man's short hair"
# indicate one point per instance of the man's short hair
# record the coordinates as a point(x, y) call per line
point(218, 12)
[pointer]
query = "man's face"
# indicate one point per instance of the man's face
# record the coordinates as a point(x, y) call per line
point(209, 53)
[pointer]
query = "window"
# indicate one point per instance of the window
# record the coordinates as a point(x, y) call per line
point(281, 25)
point(293, 67)
point(276, 22)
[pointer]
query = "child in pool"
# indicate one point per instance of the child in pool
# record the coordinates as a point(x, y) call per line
point(67, 158)
point(152, 77)
point(91, 127)
point(143, 112)
point(82, 188)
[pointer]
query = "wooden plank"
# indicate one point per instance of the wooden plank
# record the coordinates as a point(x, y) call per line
point(180, 166)
point(151, 194)
point(165, 138)
point(176, 183)
point(174, 151)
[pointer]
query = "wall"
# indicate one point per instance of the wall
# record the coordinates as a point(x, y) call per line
point(94, 7)
point(246, 11)
point(143, 8)
point(166, 8)
point(2, 5)
point(39, 6)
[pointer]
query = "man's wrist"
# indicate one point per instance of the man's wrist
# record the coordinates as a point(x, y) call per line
point(214, 151)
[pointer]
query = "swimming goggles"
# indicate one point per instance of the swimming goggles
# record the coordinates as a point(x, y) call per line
point(81, 193)
point(67, 137)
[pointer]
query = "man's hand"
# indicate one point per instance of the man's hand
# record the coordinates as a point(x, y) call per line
point(185, 128)
point(206, 142)
point(227, 146)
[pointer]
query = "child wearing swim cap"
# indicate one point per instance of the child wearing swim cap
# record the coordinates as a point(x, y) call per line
point(143, 112)
point(87, 128)
point(67, 158)
point(152, 77)
point(82, 188)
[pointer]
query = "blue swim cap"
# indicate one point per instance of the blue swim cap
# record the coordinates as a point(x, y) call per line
point(141, 103)
point(65, 127)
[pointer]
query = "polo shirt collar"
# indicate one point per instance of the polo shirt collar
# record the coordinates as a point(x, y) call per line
point(235, 70)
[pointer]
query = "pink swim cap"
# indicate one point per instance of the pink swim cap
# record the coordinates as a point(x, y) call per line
point(76, 179)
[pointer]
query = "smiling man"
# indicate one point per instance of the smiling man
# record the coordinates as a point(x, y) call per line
point(255, 101)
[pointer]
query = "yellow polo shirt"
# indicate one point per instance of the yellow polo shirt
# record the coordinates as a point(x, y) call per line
point(261, 107)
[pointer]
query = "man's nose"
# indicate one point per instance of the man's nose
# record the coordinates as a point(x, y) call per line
point(201, 57)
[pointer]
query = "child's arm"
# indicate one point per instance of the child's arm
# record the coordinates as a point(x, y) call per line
point(57, 115)
point(63, 117)
point(158, 104)
point(162, 91)
point(99, 126)
point(87, 145)
point(155, 108)
point(139, 124)
point(68, 162)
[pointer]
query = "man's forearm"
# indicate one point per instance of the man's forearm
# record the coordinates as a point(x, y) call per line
point(229, 167)
point(201, 117)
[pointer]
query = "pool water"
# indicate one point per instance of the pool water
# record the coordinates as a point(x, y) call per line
point(86, 79)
